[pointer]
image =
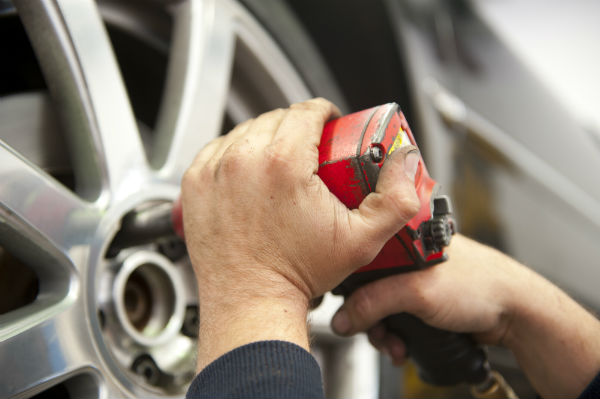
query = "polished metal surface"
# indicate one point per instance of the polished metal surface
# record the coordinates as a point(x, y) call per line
point(198, 78)
point(94, 324)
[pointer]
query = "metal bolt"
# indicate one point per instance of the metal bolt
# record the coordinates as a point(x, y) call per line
point(145, 366)
point(376, 154)
point(191, 322)
point(172, 248)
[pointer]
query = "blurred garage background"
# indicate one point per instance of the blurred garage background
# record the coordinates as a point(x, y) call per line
point(103, 105)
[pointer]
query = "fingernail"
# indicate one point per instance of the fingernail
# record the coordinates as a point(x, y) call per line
point(341, 322)
point(411, 163)
point(397, 351)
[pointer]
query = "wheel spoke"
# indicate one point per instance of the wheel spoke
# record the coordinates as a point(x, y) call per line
point(39, 351)
point(76, 57)
point(197, 84)
point(35, 198)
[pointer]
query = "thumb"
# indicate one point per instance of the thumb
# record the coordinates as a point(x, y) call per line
point(393, 203)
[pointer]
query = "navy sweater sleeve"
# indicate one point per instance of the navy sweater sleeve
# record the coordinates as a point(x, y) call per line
point(593, 390)
point(265, 369)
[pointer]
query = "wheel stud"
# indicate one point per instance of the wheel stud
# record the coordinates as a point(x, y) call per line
point(145, 366)
point(173, 248)
point(191, 322)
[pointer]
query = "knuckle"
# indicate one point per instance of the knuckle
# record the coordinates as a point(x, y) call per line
point(277, 160)
point(188, 178)
point(231, 162)
point(213, 145)
point(241, 127)
point(363, 305)
point(274, 154)
point(365, 252)
point(320, 102)
point(404, 205)
point(301, 105)
point(205, 176)
point(318, 105)
point(328, 108)
point(195, 176)
point(277, 113)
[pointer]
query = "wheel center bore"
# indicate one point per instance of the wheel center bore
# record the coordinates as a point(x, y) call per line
point(139, 300)
point(145, 297)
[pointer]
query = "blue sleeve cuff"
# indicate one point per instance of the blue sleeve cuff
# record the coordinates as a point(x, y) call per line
point(593, 390)
point(265, 369)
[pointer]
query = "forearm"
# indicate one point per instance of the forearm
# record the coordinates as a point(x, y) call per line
point(555, 340)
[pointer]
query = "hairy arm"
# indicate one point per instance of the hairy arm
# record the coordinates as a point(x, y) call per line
point(555, 340)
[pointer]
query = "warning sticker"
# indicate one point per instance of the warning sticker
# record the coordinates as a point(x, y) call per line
point(400, 141)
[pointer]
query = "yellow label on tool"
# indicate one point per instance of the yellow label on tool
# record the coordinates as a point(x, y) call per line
point(400, 141)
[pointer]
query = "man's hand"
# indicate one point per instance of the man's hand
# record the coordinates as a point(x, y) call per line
point(471, 292)
point(264, 233)
point(501, 302)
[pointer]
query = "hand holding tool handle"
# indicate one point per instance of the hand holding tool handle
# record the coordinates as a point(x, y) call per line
point(442, 357)
point(353, 149)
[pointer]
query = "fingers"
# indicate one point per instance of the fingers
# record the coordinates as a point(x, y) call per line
point(385, 211)
point(373, 302)
point(259, 132)
point(220, 144)
point(396, 348)
point(303, 124)
point(388, 343)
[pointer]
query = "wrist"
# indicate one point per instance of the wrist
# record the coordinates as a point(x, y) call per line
point(551, 333)
point(235, 292)
point(240, 313)
point(531, 300)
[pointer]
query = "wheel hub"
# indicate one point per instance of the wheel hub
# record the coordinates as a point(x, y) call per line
point(147, 309)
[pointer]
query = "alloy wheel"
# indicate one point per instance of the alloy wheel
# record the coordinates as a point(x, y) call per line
point(107, 322)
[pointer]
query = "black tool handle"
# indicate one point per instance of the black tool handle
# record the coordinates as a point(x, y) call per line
point(442, 357)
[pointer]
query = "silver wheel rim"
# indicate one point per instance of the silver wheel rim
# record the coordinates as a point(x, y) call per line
point(63, 234)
